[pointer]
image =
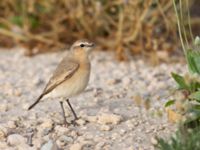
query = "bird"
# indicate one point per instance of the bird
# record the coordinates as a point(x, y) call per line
point(70, 78)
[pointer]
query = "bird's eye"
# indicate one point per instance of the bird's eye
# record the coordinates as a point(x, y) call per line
point(82, 45)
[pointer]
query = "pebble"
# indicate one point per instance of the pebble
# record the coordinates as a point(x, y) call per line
point(126, 81)
point(3, 131)
point(64, 140)
point(50, 145)
point(25, 106)
point(15, 139)
point(154, 141)
point(99, 145)
point(81, 122)
point(11, 124)
point(3, 107)
point(115, 136)
point(113, 81)
point(61, 130)
point(76, 146)
point(109, 119)
point(47, 123)
point(105, 128)
point(3, 145)
point(91, 118)
point(25, 147)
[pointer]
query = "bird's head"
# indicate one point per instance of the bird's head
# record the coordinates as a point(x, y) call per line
point(82, 46)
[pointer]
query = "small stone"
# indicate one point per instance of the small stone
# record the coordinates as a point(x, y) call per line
point(3, 145)
point(64, 140)
point(11, 124)
point(50, 145)
point(130, 124)
point(17, 92)
point(81, 122)
point(130, 148)
point(15, 139)
point(3, 132)
point(73, 133)
point(33, 116)
point(113, 81)
point(25, 147)
point(25, 106)
point(76, 146)
point(48, 123)
point(105, 128)
point(91, 118)
point(115, 136)
point(126, 81)
point(3, 107)
point(61, 130)
point(109, 119)
point(122, 131)
point(99, 146)
point(154, 141)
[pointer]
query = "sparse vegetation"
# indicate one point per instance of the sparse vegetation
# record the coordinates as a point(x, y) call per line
point(182, 140)
point(187, 96)
point(139, 26)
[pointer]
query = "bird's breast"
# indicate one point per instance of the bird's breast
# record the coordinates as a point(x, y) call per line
point(74, 85)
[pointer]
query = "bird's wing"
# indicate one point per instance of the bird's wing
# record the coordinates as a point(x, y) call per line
point(65, 70)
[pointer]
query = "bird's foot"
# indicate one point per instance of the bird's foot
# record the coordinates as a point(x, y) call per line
point(74, 123)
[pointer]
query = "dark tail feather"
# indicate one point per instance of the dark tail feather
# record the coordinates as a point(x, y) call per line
point(37, 101)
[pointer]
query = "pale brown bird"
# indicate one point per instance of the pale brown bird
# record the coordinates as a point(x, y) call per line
point(70, 77)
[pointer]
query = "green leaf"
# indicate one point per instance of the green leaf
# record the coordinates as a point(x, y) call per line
point(17, 20)
point(197, 41)
point(195, 95)
point(169, 103)
point(194, 86)
point(192, 121)
point(193, 59)
point(197, 107)
point(180, 81)
point(34, 21)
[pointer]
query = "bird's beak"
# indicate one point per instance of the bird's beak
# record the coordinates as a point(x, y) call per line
point(91, 45)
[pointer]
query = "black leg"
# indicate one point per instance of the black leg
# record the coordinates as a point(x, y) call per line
point(75, 116)
point(63, 113)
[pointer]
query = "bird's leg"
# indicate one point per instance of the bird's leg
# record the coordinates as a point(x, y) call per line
point(75, 116)
point(63, 113)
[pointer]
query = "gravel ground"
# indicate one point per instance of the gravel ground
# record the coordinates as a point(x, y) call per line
point(112, 116)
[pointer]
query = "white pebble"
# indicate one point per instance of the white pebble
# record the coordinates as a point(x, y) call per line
point(63, 140)
point(91, 118)
point(105, 128)
point(81, 122)
point(3, 132)
point(109, 119)
point(61, 130)
point(154, 141)
point(50, 145)
point(47, 123)
point(76, 146)
point(15, 139)
point(3, 107)
point(11, 124)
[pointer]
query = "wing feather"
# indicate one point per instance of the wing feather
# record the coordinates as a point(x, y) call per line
point(65, 70)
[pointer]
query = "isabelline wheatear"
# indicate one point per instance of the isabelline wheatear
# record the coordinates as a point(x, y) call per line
point(70, 77)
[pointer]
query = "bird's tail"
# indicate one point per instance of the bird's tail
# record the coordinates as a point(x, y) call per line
point(37, 101)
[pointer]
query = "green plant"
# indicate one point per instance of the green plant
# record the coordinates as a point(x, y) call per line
point(184, 139)
point(186, 98)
